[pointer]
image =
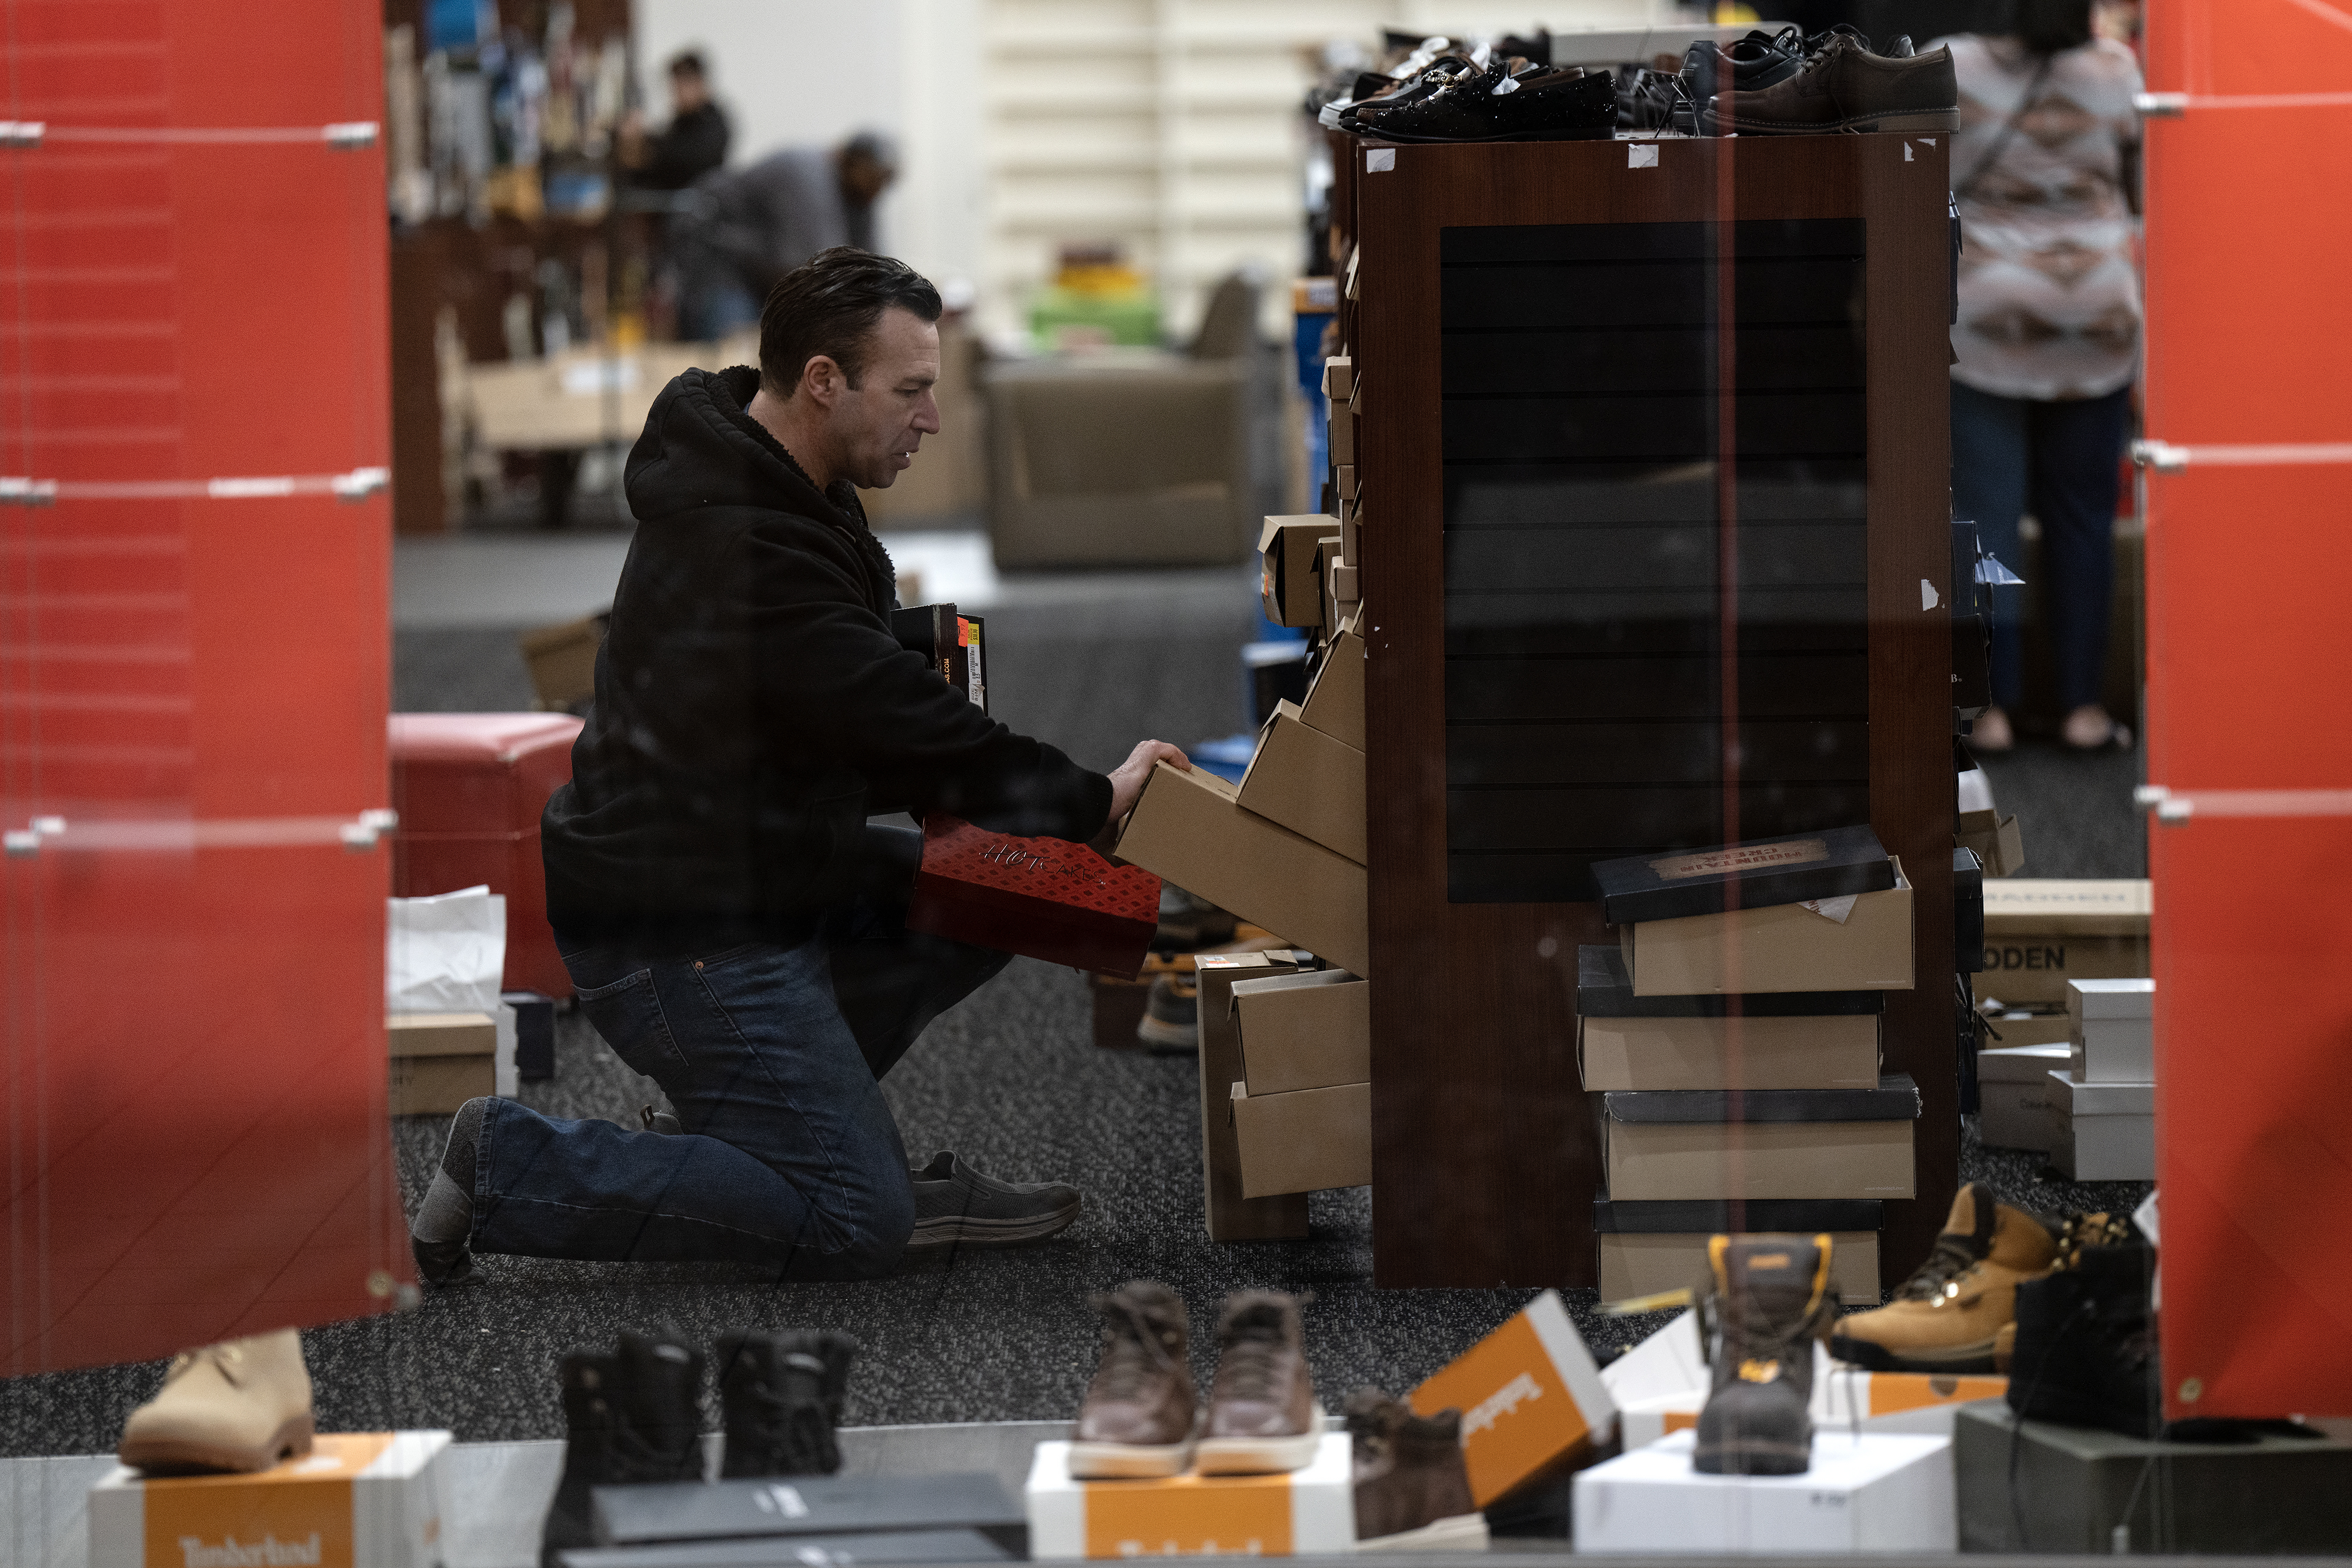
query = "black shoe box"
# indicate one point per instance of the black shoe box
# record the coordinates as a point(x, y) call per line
point(534, 1034)
point(2073, 1489)
point(798, 1552)
point(808, 1506)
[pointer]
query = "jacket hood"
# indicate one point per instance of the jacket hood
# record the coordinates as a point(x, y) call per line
point(701, 449)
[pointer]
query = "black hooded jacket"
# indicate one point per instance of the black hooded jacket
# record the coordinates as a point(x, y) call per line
point(753, 708)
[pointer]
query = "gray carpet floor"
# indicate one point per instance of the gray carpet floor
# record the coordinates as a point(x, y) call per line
point(1010, 1080)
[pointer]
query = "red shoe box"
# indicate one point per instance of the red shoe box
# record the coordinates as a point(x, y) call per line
point(1042, 898)
point(469, 788)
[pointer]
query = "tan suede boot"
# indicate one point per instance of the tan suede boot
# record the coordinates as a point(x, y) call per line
point(1947, 1315)
point(242, 1405)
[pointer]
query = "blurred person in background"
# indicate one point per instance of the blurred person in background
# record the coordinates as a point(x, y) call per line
point(2046, 167)
point(691, 145)
point(739, 230)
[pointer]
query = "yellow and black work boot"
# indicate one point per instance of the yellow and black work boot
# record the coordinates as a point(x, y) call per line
point(1946, 1316)
point(1767, 1302)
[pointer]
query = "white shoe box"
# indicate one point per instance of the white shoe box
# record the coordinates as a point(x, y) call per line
point(2106, 1132)
point(1303, 1512)
point(2111, 1027)
point(1872, 1492)
point(358, 1500)
point(2015, 1099)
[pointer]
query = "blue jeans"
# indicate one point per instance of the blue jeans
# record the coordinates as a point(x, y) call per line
point(2058, 460)
point(770, 1056)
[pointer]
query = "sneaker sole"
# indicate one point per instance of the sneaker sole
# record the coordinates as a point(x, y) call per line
point(1872, 1357)
point(1462, 1532)
point(1915, 120)
point(1167, 1036)
point(965, 1230)
point(1752, 1460)
point(292, 1441)
point(1128, 1461)
point(1258, 1456)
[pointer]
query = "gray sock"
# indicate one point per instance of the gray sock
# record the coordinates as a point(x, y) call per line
point(448, 1212)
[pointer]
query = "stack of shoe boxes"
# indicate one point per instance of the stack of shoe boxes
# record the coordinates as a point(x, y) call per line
point(2042, 933)
point(1733, 1037)
point(2103, 1101)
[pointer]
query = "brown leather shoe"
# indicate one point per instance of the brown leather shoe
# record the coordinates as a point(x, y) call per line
point(242, 1405)
point(1262, 1412)
point(1136, 1421)
point(1412, 1490)
point(1846, 87)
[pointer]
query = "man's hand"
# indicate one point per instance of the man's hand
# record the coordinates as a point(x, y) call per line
point(1127, 780)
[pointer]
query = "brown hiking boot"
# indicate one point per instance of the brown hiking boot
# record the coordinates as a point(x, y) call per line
point(242, 1405)
point(1263, 1416)
point(1768, 1301)
point(1947, 1316)
point(1137, 1421)
point(1845, 88)
point(1412, 1490)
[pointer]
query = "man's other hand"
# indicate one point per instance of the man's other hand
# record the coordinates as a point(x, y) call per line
point(1127, 780)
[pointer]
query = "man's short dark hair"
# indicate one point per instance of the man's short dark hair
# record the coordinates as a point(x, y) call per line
point(688, 63)
point(829, 306)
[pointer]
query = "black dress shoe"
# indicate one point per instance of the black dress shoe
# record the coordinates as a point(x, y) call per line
point(1750, 65)
point(1567, 104)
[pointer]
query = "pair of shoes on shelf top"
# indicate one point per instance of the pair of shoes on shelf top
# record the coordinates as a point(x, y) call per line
point(1141, 1419)
point(1843, 85)
point(633, 1414)
point(1509, 99)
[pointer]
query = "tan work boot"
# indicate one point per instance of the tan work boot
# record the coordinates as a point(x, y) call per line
point(1947, 1315)
point(242, 1405)
point(1261, 1417)
point(1136, 1421)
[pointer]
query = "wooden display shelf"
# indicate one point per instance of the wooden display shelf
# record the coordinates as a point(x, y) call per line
point(1486, 1156)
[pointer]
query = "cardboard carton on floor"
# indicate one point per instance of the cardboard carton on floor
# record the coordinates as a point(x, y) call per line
point(1309, 1140)
point(1335, 703)
point(2105, 1131)
point(1311, 1031)
point(1292, 588)
point(2017, 1105)
point(1531, 1400)
point(440, 1061)
point(1191, 829)
point(1778, 947)
point(1649, 1246)
point(1789, 1143)
point(2042, 933)
point(2111, 1031)
point(358, 1500)
point(562, 661)
point(1998, 843)
point(1868, 1492)
point(1309, 782)
point(1232, 1217)
point(1305, 1512)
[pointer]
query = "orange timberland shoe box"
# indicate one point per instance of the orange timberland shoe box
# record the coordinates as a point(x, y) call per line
point(1531, 1400)
point(1307, 1511)
point(357, 1499)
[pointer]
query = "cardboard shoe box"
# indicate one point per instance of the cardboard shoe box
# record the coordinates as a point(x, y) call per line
point(1787, 1142)
point(2105, 1131)
point(1799, 1040)
point(1778, 947)
point(1311, 1031)
point(1998, 844)
point(1292, 589)
point(1191, 829)
point(2111, 1030)
point(358, 1500)
point(1752, 874)
point(1309, 782)
point(1307, 1513)
point(2041, 934)
point(1309, 1140)
point(1230, 1215)
point(1335, 703)
point(440, 1061)
point(1531, 1400)
point(1867, 1492)
point(2017, 1103)
point(1646, 1248)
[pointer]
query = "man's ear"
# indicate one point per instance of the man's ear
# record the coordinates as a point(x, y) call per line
point(822, 379)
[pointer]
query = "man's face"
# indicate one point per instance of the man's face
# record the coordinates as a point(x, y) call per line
point(688, 92)
point(878, 425)
point(864, 179)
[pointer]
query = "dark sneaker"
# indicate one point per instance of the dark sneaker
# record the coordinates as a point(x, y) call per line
point(1946, 1317)
point(1568, 104)
point(1413, 1489)
point(630, 1416)
point(2086, 1348)
point(781, 1393)
point(1845, 88)
point(1768, 1299)
point(1136, 1421)
point(1263, 1418)
point(660, 1122)
point(1171, 1013)
point(1188, 923)
point(445, 1221)
point(955, 1205)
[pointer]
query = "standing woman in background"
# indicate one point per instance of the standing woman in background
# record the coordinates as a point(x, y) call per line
point(2046, 170)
